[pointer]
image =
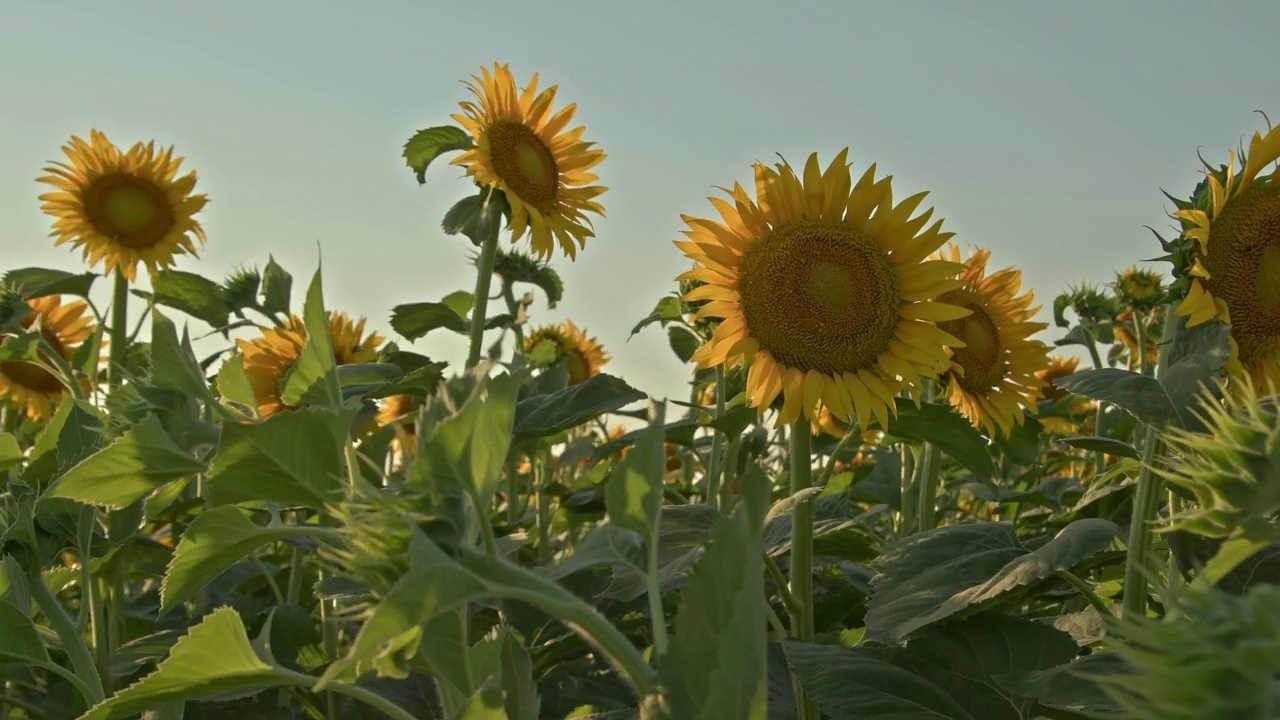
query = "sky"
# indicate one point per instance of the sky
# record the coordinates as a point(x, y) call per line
point(1044, 132)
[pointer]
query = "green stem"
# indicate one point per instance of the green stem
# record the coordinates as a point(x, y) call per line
point(544, 511)
point(927, 512)
point(550, 597)
point(72, 642)
point(1146, 499)
point(513, 488)
point(657, 616)
point(713, 469)
point(85, 691)
point(1097, 602)
point(119, 332)
point(484, 277)
point(907, 514)
point(830, 468)
point(297, 679)
point(1099, 456)
point(802, 554)
point(729, 473)
point(514, 308)
point(780, 582)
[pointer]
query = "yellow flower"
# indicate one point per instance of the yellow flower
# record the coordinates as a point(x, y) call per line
point(522, 149)
point(823, 284)
point(1235, 276)
point(391, 409)
point(268, 359)
point(583, 356)
point(1139, 289)
point(1059, 367)
point(993, 377)
point(1125, 334)
point(123, 208)
point(65, 327)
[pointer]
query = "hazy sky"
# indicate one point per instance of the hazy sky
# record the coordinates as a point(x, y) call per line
point(1044, 131)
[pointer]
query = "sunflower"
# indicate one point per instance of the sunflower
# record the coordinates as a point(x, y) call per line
point(123, 208)
point(1138, 289)
point(268, 359)
point(824, 286)
point(391, 409)
point(522, 149)
point(1235, 271)
point(583, 356)
point(993, 377)
point(65, 327)
point(1059, 367)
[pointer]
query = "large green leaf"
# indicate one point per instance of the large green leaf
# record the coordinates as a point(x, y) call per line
point(19, 641)
point(414, 320)
point(10, 451)
point(543, 415)
point(34, 282)
point(715, 666)
point(314, 379)
point(1071, 686)
point(214, 658)
point(137, 464)
point(292, 457)
point(71, 435)
point(233, 382)
point(1195, 358)
point(173, 364)
point(195, 295)
point(475, 441)
point(427, 145)
point(946, 429)
point(849, 684)
point(936, 574)
point(633, 495)
point(1143, 396)
point(522, 701)
point(361, 380)
point(215, 540)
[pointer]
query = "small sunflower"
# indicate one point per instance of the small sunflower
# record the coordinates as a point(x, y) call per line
point(123, 208)
point(824, 285)
point(1235, 271)
point(522, 149)
point(993, 377)
point(583, 356)
point(1138, 289)
point(1059, 367)
point(391, 409)
point(268, 359)
point(65, 327)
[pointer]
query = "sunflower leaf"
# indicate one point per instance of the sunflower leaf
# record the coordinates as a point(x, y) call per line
point(72, 434)
point(233, 382)
point(415, 320)
point(1143, 396)
point(30, 283)
point(945, 428)
point(1105, 444)
point(19, 640)
point(10, 451)
point(466, 217)
point(633, 494)
point(474, 442)
point(427, 145)
point(195, 295)
point(543, 415)
point(23, 347)
point(277, 285)
point(314, 377)
point(683, 343)
point(292, 457)
point(1195, 358)
point(419, 380)
point(173, 363)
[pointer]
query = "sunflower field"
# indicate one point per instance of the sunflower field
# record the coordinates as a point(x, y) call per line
point(884, 497)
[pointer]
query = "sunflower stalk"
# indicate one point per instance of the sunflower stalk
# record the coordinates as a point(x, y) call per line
point(1138, 564)
point(69, 634)
point(802, 554)
point(1100, 416)
point(484, 277)
point(929, 477)
point(119, 331)
point(713, 471)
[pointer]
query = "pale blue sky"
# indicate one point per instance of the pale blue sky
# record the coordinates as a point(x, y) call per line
point(1044, 131)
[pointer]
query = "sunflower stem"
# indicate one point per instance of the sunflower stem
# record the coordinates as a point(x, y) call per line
point(713, 471)
point(512, 307)
point(484, 277)
point(1099, 420)
point(802, 554)
point(926, 513)
point(907, 512)
point(72, 641)
point(119, 330)
point(1138, 564)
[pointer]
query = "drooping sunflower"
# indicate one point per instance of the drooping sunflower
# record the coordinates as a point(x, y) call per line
point(993, 377)
point(268, 359)
point(524, 150)
point(1235, 273)
point(825, 286)
point(65, 327)
point(123, 208)
point(583, 356)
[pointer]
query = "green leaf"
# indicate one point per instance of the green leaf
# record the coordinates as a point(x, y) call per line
point(71, 435)
point(1143, 396)
point(233, 382)
point(10, 452)
point(292, 457)
point(522, 701)
point(633, 495)
point(19, 641)
point(419, 381)
point(213, 542)
point(715, 666)
point(415, 320)
point(23, 347)
point(33, 282)
point(668, 309)
point(173, 363)
point(363, 379)
point(683, 343)
point(475, 441)
point(134, 466)
point(488, 703)
point(427, 145)
point(313, 379)
point(277, 285)
point(214, 658)
point(849, 684)
point(466, 217)
point(1104, 444)
point(544, 415)
point(946, 429)
point(460, 301)
point(1195, 359)
point(197, 296)
point(933, 575)
point(734, 421)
